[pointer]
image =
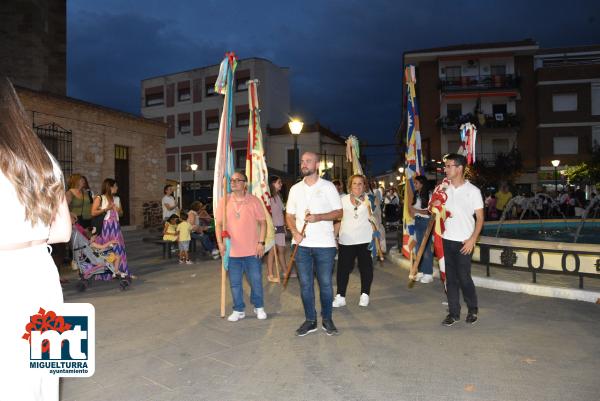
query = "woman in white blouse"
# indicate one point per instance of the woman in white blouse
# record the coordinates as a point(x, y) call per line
point(355, 236)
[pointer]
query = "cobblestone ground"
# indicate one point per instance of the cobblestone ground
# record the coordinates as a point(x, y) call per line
point(163, 340)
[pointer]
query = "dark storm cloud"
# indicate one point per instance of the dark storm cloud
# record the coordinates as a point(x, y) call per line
point(345, 56)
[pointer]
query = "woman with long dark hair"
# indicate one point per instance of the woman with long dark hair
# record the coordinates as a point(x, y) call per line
point(279, 223)
point(35, 212)
point(108, 204)
point(419, 210)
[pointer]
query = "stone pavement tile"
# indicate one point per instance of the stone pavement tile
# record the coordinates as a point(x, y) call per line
point(78, 388)
point(113, 372)
point(132, 389)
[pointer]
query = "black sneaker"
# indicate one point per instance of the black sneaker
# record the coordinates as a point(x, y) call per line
point(449, 321)
point(309, 326)
point(471, 318)
point(329, 327)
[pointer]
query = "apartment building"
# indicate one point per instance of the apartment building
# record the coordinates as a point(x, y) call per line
point(187, 102)
point(567, 106)
point(544, 102)
point(489, 84)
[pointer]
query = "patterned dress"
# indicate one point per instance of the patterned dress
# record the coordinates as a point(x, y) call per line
point(111, 231)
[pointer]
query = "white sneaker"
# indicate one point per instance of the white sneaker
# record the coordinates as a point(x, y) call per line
point(235, 316)
point(427, 278)
point(215, 254)
point(419, 276)
point(260, 313)
point(338, 301)
point(364, 300)
point(189, 262)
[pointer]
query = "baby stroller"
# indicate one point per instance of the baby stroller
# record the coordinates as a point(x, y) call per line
point(91, 262)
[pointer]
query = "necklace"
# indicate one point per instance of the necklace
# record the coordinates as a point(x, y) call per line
point(237, 210)
point(356, 201)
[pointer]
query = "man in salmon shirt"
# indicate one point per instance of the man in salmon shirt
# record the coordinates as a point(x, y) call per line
point(247, 227)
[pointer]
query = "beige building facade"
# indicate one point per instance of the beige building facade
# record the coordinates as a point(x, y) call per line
point(100, 143)
point(187, 103)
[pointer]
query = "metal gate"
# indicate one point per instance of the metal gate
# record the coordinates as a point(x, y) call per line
point(59, 142)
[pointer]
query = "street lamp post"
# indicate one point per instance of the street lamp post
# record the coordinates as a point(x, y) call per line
point(295, 129)
point(194, 167)
point(555, 163)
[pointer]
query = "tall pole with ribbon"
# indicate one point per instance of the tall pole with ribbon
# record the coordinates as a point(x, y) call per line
point(256, 166)
point(353, 156)
point(224, 157)
point(414, 161)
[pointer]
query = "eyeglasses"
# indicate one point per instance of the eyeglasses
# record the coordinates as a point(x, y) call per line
point(237, 180)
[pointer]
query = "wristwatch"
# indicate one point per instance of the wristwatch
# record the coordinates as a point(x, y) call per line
point(261, 242)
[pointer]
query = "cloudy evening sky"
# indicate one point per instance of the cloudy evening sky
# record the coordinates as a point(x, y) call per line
point(345, 57)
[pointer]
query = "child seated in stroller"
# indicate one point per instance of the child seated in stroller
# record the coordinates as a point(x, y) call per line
point(91, 257)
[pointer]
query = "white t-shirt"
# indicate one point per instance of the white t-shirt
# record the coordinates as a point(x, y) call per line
point(355, 228)
point(462, 203)
point(321, 197)
point(418, 206)
point(168, 200)
point(104, 204)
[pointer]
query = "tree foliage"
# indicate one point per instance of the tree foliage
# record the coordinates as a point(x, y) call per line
point(505, 167)
point(586, 173)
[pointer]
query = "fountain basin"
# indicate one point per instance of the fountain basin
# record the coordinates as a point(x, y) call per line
point(542, 248)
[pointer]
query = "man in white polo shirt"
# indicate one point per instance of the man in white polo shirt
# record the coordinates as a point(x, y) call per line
point(317, 202)
point(461, 232)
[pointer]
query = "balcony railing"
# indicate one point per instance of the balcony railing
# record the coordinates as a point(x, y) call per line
point(498, 120)
point(479, 82)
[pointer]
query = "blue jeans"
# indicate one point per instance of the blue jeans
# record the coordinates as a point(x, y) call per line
point(205, 240)
point(252, 266)
point(426, 265)
point(319, 261)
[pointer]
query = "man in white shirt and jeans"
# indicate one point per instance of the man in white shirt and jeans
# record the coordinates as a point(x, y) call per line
point(461, 232)
point(317, 202)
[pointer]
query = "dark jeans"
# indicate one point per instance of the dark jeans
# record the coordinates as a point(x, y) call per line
point(205, 240)
point(319, 262)
point(458, 276)
point(426, 264)
point(346, 257)
point(252, 266)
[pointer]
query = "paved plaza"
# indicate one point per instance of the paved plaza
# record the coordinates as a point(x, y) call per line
point(164, 340)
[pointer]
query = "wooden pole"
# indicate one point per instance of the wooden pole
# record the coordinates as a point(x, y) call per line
point(415, 266)
point(224, 228)
point(291, 261)
point(276, 261)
